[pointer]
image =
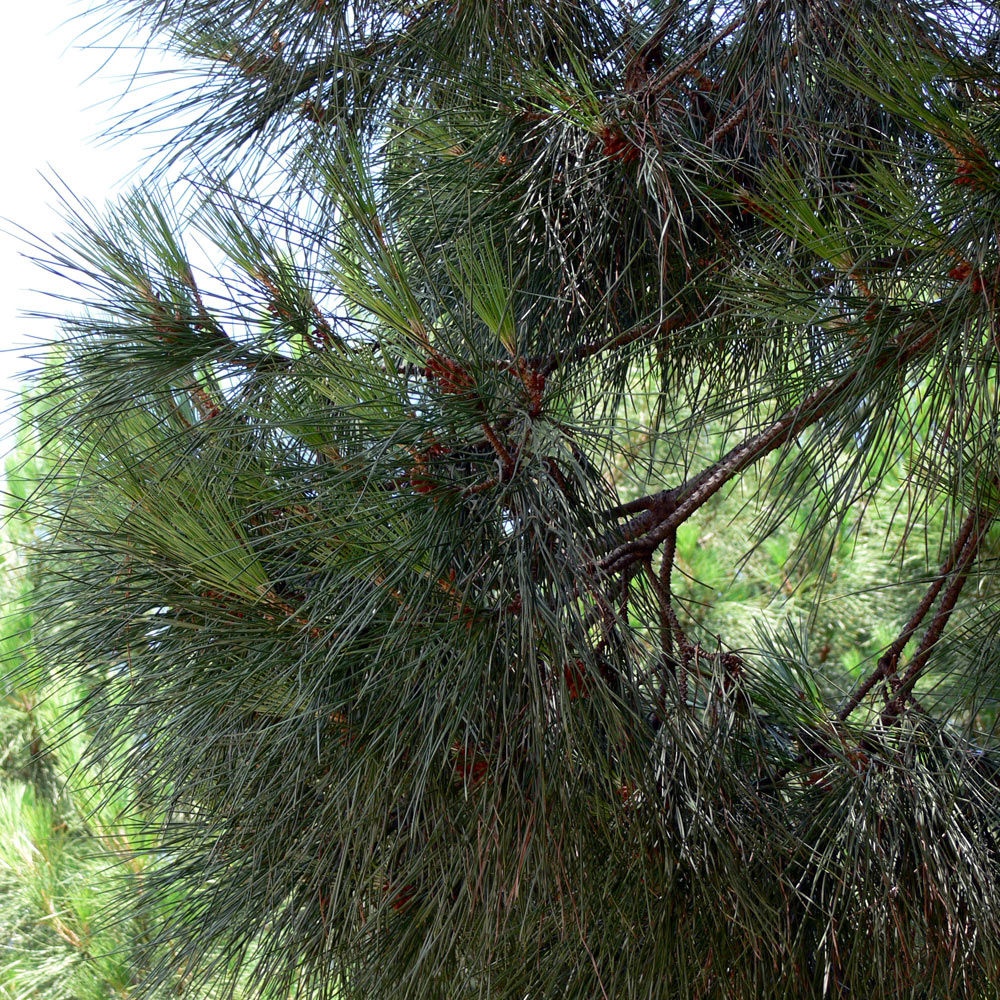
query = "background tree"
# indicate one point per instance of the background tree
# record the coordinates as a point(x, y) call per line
point(64, 840)
point(370, 538)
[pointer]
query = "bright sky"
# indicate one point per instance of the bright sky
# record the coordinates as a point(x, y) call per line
point(55, 99)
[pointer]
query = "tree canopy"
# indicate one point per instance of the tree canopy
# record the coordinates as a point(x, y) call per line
point(384, 443)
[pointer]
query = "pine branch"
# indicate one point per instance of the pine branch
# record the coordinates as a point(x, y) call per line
point(949, 599)
point(548, 364)
point(888, 660)
point(667, 509)
point(669, 78)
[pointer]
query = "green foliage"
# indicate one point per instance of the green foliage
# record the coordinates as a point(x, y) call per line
point(54, 853)
point(550, 549)
point(67, 845)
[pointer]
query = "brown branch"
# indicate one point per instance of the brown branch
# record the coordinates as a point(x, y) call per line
point(880, 265)
point(666, 510)
point(722, 130)
point(168, 327)
point(498, 446)
point(696, 57)
point(667, 618)
point(549, 363)
point(670, 627)
point(958, 563)
point(666, 632)
point(888, 660)
point(948, 601)
point(637, 67)
point(680, 503)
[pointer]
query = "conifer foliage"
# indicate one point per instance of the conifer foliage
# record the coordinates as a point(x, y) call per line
point(379, 448)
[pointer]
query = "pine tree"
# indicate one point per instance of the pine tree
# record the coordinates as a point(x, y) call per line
point(388, 443)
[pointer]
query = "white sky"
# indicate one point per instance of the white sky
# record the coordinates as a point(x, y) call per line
point(55, 99)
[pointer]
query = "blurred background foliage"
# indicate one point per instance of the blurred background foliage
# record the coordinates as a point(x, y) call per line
point(65, 841)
